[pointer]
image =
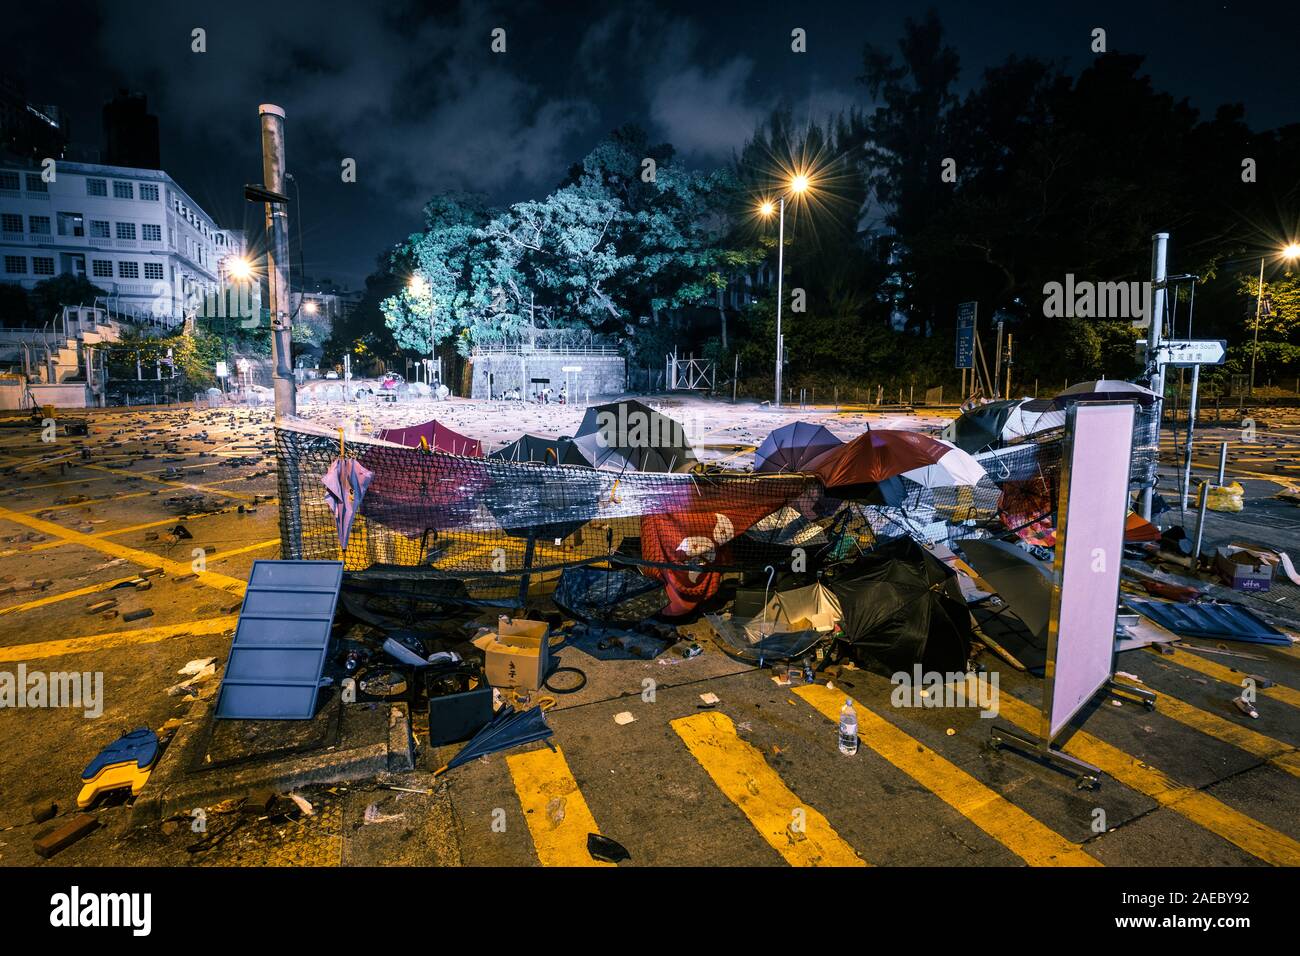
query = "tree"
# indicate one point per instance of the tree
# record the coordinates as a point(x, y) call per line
point(49, 296)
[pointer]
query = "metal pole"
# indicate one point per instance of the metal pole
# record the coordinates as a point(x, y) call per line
point(780, 270)
point(1159, 256)
point(1200, 525)
point(1191, 429)
point(1223, 462)
point(1259, 305)
point(277, 265)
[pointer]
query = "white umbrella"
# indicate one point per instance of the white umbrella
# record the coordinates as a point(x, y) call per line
point(955, 468)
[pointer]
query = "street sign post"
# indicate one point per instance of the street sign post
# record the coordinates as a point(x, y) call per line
point(1188, 352)
point(966, 313)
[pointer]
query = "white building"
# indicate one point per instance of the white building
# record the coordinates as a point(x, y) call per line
point(133, 232)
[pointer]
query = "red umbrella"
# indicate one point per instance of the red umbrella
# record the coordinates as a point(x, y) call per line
point(438, 437)
point(875, 456)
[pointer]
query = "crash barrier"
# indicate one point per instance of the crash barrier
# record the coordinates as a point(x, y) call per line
point(489, 528)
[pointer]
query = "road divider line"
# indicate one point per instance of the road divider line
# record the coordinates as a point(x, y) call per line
point(100, 642)
point(1278, 752)
point(744, 777)
point(554, 809)
point(1205, 811)
point(1194, 662)
point(1022, 834)
point(113, 549)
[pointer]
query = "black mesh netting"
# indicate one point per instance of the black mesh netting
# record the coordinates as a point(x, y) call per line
point(486, 523)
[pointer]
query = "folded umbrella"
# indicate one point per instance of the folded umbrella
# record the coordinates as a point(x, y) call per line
point(345, 481)
point(507, 728)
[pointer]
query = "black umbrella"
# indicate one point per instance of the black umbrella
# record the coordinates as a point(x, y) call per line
point(507, 728)
point(542, 450)
point(902, 606)
point(633, 436)
point(980, 427)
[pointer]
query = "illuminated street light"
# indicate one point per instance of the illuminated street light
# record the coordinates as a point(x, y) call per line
point(799, 184)
point(310, 308)
point(239, 268)
point(1290, 252)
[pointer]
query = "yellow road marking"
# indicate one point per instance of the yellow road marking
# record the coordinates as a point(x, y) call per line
point(1275, 751)
point(744, 777)
point(64, 596)
point(1195, 662)
point(547, 790)
point(99, 642)
point(1255, 838)
point(115, 550)
point(1026, 837)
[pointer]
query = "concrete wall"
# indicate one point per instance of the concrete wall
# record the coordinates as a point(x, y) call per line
point(602, 374)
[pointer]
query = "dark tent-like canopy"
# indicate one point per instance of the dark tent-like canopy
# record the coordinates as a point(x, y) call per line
point(542, 450)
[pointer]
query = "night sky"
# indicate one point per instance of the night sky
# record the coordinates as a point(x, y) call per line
point(414, 94)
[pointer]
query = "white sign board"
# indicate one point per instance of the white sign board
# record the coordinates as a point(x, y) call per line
point(1192, 352)
point(222, 370)
point(1092, 510)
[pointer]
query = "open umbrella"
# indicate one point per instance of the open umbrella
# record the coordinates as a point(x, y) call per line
point(630, 435)
point(954, 469)
point(1105, 389)
point(437, 436)
point(995, 424)
point(791, 447)
point(541, 450)
point(853, 470)
point(345, 481)
point(507, 728)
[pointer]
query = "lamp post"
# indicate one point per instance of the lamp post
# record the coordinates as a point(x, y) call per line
point(1290, 252)
point(797, 187)
point(417, 286)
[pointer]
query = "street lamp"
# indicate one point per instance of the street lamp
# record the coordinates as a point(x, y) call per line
point(1289, 252)
point(798, 186)
point(238, 268)
point(418, 286)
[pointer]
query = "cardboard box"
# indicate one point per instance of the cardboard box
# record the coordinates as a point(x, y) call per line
point(518, 655)
point(1244, 570)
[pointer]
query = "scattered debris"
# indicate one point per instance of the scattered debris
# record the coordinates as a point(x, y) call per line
point(605, 850)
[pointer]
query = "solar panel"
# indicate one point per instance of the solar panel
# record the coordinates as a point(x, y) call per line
point(279, 649)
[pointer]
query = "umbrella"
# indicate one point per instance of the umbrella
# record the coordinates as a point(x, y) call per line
point(437, 436)
point(345, 483)
point(791, 447)
point(854, 469)
point(994, 424)
point(613, 596)
point(541, 450)
point(1105, 389)
point(630, 435)
point(507, 728)
point(954, 469)
point(901, 606)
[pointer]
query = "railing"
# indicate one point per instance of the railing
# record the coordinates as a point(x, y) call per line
point(543, 350)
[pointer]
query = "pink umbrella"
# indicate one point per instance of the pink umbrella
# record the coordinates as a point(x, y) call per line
point(345, 484)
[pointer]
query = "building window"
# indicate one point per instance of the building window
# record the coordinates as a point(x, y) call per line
point(153, 270)
point(102, 268)
point(126, 230)
point(9, 181)
point(149, 191)
point(151, 232)
point(15, 265)
point(71, 224)
point(123, 190)
point(99, 228)
point(10, 222)
point(96, 187)
point(38, 225)
point(128, 270)
point(42, 266)
point(37, 185)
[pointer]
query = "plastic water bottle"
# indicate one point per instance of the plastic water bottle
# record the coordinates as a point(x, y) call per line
point(848, 728)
